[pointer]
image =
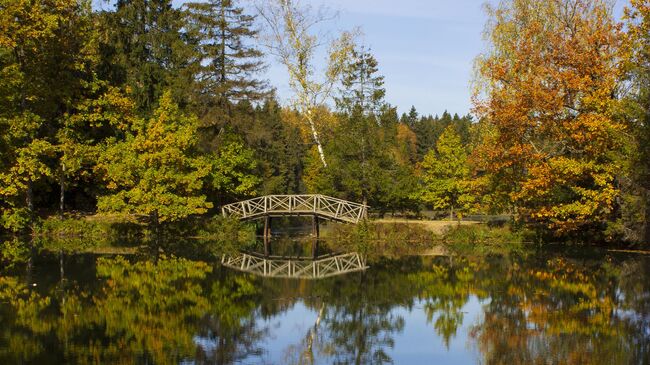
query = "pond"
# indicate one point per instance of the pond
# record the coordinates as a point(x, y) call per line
point(547, 307)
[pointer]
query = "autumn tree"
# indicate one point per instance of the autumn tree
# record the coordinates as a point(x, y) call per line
point(549, 78)
point(156, 171)
point(42, 63)
point(292, 37)
point(445, 173)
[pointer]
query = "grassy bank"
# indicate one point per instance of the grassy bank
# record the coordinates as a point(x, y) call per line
point(394, 238)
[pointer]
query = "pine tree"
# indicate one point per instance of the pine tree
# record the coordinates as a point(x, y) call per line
point(229, 63)
point(412, 118)
point(145, 49)
point(361, 86)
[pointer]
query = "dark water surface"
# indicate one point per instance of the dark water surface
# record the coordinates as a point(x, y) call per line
point(548, 308)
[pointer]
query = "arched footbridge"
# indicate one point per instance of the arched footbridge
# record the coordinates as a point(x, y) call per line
point(316, 205)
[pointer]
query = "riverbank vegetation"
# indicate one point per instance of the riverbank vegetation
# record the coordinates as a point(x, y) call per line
point(162, 113)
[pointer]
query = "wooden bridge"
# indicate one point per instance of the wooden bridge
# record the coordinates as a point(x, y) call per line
point(309, 204)
point(298, 268)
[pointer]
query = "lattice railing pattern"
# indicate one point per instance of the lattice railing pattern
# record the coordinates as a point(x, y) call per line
point(316, 204)
point(298, 269)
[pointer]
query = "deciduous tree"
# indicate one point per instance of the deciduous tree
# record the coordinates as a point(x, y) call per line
point(156, 170)
point(549, 78)
point(445, 173)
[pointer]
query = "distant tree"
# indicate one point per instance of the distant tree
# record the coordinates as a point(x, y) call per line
point(156, 171)
point(444, 173)
point(411, 118)
point(361, 86)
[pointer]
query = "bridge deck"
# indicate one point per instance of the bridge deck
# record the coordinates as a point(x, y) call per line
point(307, 204)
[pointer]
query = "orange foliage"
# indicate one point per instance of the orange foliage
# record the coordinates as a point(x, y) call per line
point(549, 81)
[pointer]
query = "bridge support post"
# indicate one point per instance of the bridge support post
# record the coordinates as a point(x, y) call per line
point(315, 227)
point(316, 233)
point(267, 236)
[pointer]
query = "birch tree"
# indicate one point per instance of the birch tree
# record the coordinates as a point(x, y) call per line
point(292, 36)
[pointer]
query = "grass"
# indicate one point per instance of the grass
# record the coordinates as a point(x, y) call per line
point(401, 237)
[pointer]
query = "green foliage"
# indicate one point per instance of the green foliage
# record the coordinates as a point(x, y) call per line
point(232, 173)
point(225, 235)
point(13, 253)
point(483, 239)
point(17, 220)
point(156, 171)
point(445, 173)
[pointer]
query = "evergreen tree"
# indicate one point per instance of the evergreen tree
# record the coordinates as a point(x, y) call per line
point(228, 62)
point(361, 86)
point(145, 49)
point(411, 118)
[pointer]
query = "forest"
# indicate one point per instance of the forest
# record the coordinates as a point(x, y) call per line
point(163, 112)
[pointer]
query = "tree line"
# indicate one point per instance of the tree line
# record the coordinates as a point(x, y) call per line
point(164, 113)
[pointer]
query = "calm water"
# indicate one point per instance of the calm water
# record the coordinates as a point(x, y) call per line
point(545, 309)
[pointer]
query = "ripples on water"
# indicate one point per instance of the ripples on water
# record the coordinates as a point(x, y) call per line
point(548, 308)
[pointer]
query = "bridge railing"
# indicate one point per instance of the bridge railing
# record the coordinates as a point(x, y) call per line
point(322, 205)
point(297, 269)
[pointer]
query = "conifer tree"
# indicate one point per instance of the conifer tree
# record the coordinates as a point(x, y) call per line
point(229, 63)
point(360, 85)
point(145, 48)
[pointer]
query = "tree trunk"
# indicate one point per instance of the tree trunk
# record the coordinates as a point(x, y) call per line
point(29, 198)
point(646, 235)
point(314, 133)
point(156, 231)
point(62, 192)
point(451, 212)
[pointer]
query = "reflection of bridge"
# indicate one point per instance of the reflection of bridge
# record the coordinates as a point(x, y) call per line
point(277, 267)
point(281, 205)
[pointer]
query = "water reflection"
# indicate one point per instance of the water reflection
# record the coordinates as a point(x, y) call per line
point(550, 308)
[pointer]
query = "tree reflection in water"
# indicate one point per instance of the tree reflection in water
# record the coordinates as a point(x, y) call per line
point(550, 309)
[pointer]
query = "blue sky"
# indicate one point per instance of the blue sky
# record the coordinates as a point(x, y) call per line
point(425, 48)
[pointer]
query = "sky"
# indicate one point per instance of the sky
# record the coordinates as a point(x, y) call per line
point(425, 49)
